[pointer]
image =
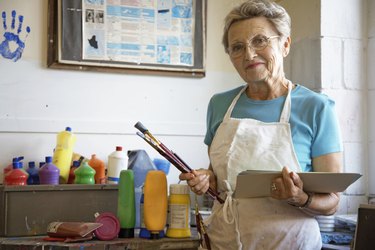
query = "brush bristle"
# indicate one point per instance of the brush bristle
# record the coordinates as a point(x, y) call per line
point(140, 127)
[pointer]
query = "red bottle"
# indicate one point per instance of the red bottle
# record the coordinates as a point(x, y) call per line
point(17, 176)
point(71, 173)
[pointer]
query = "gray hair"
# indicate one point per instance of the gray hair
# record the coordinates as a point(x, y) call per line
point(274, 13)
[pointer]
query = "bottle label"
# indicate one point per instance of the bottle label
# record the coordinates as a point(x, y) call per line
point(179, 216)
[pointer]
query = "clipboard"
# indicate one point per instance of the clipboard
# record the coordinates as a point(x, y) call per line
point(255, 183)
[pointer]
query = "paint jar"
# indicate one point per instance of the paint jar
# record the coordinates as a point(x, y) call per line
point(49, 173)
point(179, 211)
point(155, 202)
point(63, 154)
point(33, 172)
point(71, 172)
point(17, 176)
point(99, 167)
point(117, 161)
point(84, 174)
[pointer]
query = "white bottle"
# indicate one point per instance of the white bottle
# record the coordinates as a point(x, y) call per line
point(117, 161)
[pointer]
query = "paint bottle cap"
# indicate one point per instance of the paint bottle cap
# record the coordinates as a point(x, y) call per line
point(110, 228)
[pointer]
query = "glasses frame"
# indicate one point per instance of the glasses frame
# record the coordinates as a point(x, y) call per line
point(248, 45)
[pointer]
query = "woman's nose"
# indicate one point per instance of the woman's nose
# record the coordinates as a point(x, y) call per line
point(250, 53)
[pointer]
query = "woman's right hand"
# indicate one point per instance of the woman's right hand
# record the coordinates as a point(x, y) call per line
point(198, 180)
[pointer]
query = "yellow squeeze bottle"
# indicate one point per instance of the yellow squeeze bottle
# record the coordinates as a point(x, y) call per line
point(155, 202)
point(63, 154)
point(179, 211)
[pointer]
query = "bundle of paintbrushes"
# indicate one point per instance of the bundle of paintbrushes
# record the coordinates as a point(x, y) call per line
point(172, 157)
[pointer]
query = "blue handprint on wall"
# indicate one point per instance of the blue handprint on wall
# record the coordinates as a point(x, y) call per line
point(12, 39)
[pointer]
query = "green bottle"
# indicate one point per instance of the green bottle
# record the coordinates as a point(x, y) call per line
point(126, 204)
point(84, 174)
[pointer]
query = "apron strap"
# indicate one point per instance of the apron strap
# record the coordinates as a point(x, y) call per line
point(285, 114)
point(231, 107)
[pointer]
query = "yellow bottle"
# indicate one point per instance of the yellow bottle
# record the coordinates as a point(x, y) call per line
point(63, 154)
point(155, 202)
point(179, 211)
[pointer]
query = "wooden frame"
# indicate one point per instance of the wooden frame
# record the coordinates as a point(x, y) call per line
point(54, 51)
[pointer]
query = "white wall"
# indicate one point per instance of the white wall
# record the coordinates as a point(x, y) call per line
point(371, 91)
point(37, 102)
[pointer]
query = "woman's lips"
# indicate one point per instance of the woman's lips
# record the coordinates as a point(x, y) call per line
point(253, 65)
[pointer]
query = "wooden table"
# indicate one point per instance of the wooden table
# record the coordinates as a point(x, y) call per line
point(37, 243)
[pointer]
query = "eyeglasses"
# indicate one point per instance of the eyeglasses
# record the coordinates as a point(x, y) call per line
point(257, 43)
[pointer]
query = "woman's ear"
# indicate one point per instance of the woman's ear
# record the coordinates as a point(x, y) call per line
point(286, 46)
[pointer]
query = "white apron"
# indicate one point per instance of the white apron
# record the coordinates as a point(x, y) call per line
point(256, 223)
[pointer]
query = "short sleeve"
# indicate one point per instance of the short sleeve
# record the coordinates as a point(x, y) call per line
point(327, 137)
point(209, 120)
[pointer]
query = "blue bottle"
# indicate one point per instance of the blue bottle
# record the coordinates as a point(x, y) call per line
point(33, 174)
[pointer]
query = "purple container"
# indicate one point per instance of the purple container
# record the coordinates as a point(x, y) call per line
point(49, 174)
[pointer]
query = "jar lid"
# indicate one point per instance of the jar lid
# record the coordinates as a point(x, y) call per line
point(179, 189)
point(110, 228)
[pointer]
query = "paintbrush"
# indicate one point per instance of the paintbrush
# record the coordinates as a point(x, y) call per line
point(169, 155)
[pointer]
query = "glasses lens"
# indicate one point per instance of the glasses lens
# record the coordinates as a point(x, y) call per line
point(259, 42)
point(236, 49)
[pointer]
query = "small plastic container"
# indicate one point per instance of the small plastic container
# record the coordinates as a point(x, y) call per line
point(8, 168)
point(84, 174)
point(71, 173)
point(99, 167)
point(162, 164)
point(33, 172)
point(63, 153)
point(143, 232)
point(179, 211)
point(17, 176)
point(110, 228)
point(49, 173)
point(117, 161)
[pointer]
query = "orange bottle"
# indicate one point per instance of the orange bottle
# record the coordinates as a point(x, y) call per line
point(99, 167)
point(155, 202)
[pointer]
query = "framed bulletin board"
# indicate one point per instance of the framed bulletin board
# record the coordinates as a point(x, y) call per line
point(158, 37)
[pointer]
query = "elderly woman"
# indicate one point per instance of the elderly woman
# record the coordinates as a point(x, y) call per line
point(269, 123)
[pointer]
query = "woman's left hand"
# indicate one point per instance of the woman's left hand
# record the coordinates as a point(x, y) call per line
point(289, 187)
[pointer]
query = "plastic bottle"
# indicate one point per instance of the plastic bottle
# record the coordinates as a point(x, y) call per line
point(71, 172)
point(143, 232)
point(84, 174)
point(8, 168)
point(33, 172)
point(155, 202)
point(63, 154)
point(117, 161)
point(49, 173)
point(140, 163)
point(99, 167)
point(126, 204)
point(17, 176)
point(162, 165)
point(179, 211)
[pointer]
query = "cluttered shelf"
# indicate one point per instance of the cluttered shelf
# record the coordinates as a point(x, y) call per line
point(37, 242)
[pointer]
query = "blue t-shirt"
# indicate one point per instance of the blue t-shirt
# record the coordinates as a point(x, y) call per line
point(313, 121)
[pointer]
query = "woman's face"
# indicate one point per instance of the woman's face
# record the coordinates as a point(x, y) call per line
point(262, 65)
